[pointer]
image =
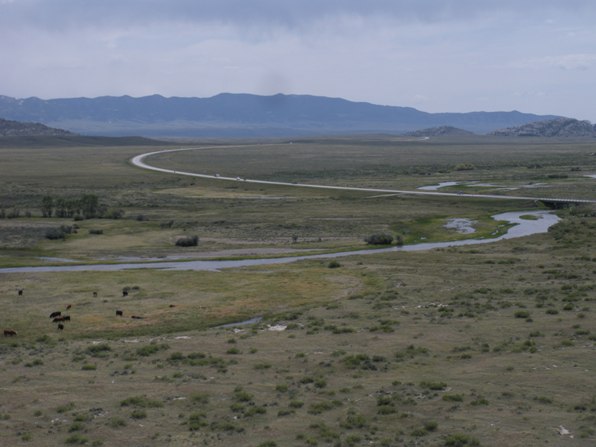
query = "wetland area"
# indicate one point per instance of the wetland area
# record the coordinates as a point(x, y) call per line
point(453, 338)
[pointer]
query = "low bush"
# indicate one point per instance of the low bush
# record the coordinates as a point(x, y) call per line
point(379, 239)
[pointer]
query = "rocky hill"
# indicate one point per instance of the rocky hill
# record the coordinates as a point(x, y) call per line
point(18, 129)
point(441, 131)
point(560, 127)
point(242, 115)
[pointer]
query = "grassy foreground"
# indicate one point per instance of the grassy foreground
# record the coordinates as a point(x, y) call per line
point(484, 345)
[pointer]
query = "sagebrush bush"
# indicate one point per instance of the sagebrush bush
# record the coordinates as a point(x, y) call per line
point(379, 239)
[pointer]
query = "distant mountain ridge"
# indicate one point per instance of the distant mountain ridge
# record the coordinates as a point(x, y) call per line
point(9, 128)
point(560, 127)
point(230, 114)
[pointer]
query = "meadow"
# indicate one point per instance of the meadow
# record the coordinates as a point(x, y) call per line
point(483, 345)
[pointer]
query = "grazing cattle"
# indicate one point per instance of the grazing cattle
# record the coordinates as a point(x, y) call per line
point(60, 326)
point(68, 306)
point(55, 314)
point(172, 305)
point(119, 313)
point(66, 318)
point(125, 293)
point(20, 291)
point(9, 333)
point(58, 319)
point(136, 317)
point(94, 294)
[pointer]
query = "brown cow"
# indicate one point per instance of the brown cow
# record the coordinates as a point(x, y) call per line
point(9, 333)
point(68, 306)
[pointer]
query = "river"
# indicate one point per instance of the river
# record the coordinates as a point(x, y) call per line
point(540, 223)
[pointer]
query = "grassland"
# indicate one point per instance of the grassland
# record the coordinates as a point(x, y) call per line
point(488, 345)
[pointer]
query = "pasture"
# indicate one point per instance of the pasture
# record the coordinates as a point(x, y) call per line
point(483, 345)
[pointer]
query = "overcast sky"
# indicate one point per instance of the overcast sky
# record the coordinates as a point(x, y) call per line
point(435, 55)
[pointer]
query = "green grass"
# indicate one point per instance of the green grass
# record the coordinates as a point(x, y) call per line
point(479, 345)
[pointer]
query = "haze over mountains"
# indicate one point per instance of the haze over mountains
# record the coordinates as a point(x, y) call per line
point(243, 115)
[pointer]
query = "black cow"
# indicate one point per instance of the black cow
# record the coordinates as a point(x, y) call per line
point(119, 313)
point(20, 291)
point(125, 293)
point(94, 294)
point(136, 317)
point(9, 333)
point(60, 326)
point(55, 314)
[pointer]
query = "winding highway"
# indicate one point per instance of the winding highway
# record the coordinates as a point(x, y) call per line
point(139, 162)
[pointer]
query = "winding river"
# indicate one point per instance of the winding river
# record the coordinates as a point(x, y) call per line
point(539, 223)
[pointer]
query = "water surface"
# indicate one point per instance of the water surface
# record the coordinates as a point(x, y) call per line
point(522, 227)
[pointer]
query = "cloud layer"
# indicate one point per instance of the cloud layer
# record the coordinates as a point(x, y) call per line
point(436, 55)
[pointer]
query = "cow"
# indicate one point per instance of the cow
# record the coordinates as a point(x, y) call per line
point(125, 292)
point(58, 319)
point(55, 314)
point(119, 313)
point(20, 292)
point(68, 306)
point(60, 326)
point(94, 294)
point(136, 317)
point(172, 305)
point(66, 318)
point(9, 333)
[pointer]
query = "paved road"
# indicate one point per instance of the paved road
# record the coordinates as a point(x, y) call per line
point(139, 162)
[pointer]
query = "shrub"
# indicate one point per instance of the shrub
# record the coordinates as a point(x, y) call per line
point(464, 167)
point(150, 349)
point(333, 264)
point(379, 239)
point(460, 440)
point(58, 233)
point(187, 241)
point(76, 439)
point(141, 402)
point(99, 350)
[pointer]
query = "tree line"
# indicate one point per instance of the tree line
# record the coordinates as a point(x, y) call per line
point(86, 206)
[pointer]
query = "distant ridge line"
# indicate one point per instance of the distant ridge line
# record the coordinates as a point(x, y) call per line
point(244, 115)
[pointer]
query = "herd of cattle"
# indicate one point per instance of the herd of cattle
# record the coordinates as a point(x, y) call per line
point(60, 318)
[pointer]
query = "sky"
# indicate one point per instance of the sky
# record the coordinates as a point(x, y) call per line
point(536, 56)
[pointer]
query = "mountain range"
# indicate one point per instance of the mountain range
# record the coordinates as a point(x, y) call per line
point(9, 128)
point(560, 127)
point(243, 115)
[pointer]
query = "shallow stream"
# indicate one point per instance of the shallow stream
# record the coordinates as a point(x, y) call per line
point(541, 222)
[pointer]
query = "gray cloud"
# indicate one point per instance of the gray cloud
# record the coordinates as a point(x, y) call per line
point(59, 14)
point(436, 55)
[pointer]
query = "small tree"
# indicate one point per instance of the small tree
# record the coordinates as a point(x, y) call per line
point(47, 206)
